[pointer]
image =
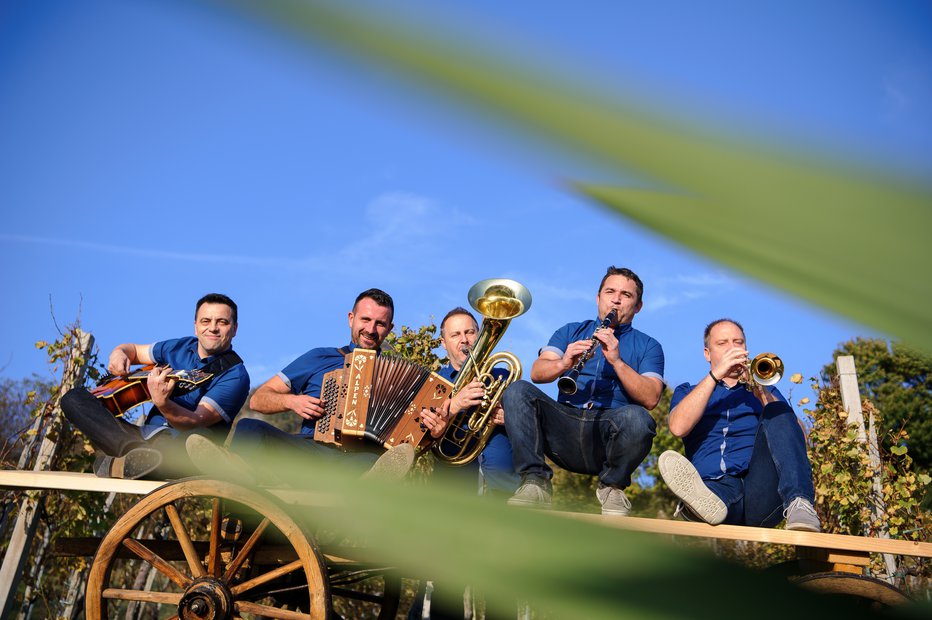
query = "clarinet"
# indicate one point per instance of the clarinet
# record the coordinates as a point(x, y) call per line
point(567, 383)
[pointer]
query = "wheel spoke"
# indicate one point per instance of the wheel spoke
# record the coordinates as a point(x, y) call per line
point(213, 556)
point(143, 596)
point(176, 576)
point(269, 611)
point(194, 563)
point(266, 577)
point(241, 557)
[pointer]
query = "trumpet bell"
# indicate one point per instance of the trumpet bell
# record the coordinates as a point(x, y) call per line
point(767, 368)
point(499, 298)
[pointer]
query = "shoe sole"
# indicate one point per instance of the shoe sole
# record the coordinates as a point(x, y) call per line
point(686, 483)
point(529, 503)
point(136, 464)
point(216, 462)
point(393, 465)
point(802, 527)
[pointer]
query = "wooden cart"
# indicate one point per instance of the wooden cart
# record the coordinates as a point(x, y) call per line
point(227, 549)
point(223, 550)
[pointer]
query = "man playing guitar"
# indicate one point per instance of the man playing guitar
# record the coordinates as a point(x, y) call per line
point(206, 406)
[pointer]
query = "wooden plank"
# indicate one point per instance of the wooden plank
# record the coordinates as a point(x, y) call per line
point(72, 481)
point(839, 542)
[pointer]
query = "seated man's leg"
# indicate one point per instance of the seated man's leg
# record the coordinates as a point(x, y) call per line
point(779, 479)
point(700, 500)
point(496, 465)
point(122, 451)
point(108, 434)
point(626, 435)
point(273, 451)
point(527, 409)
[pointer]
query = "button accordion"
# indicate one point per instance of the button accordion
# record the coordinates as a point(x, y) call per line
point(378, 399)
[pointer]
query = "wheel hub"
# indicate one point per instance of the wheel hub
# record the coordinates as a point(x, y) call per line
point(207, 598)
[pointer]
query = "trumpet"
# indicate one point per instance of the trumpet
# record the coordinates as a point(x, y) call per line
point(567, 383)
point(764, 369)
point(498, 301)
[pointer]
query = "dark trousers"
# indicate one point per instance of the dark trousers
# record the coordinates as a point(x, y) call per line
point(608, 442)
point(114, 437)
point(778, 473)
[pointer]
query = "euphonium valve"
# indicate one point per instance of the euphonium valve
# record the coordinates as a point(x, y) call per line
point(498, 300)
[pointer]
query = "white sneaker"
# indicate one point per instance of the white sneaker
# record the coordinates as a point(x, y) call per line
point(614, 501)
point(801, 516)
point(533, 494)
point(687, 484)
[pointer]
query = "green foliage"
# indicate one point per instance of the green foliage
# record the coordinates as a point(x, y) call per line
point(17, 398)
point(417, 346)
point(844, 476)
point(712, 176)
point(898, 381)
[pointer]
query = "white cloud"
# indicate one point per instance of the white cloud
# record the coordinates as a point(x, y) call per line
point(152, 254)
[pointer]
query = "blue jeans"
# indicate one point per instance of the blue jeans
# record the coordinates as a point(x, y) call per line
point(255, 441)
point(496, 465)
point(778, 472)
point(608, 442)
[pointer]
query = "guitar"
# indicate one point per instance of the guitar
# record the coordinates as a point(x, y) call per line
point(121, 393)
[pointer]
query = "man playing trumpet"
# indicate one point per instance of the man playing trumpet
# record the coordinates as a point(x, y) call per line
point(746, 461)
point(603, 427)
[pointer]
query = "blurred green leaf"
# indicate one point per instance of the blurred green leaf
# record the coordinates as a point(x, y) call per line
point(741, 204)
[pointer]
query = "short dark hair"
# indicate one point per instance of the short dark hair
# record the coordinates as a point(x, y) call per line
point(454, 312)
point(378, 296)
point(708, 329)
point(216, 298)
point(623, 271)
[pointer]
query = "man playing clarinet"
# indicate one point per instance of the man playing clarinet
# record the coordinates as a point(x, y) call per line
point(600, 423)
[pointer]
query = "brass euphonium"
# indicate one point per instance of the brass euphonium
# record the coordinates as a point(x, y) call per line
point(764, 369)
point(498, 300)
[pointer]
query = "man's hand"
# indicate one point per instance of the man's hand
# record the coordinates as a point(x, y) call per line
point(435, 420)
point(119, 362)
point(498, 416)
point(470, 396)
point(160, 386)
point(609, 343)
point(764, 395)
point(574, 351)
point(308, 407)
point(733, 364)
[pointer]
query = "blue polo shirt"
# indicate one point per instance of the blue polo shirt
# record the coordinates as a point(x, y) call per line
point(305, 375)
point(225, 392)
point(448, 372)
point(722, 441)
point(598, 384)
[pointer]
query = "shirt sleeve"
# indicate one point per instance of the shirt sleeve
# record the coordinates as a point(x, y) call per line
point(652, 363)
point(162, 351)
point(679, 394)
point(558, 342)
point(297, 374)
point(227, 394)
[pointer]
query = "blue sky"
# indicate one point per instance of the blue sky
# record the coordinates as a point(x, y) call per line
point(151, 152)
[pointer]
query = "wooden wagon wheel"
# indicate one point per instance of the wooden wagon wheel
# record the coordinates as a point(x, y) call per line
point(226, 552)
point(860, 588)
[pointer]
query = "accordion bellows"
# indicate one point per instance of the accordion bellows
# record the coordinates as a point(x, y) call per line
point(378, 399)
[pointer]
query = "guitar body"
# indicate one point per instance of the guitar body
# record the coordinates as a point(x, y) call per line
point(120, 394)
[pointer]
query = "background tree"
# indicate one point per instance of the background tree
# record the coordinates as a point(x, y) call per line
point(898, 381)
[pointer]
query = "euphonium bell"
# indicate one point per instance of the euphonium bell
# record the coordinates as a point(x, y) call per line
point(498, 300)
